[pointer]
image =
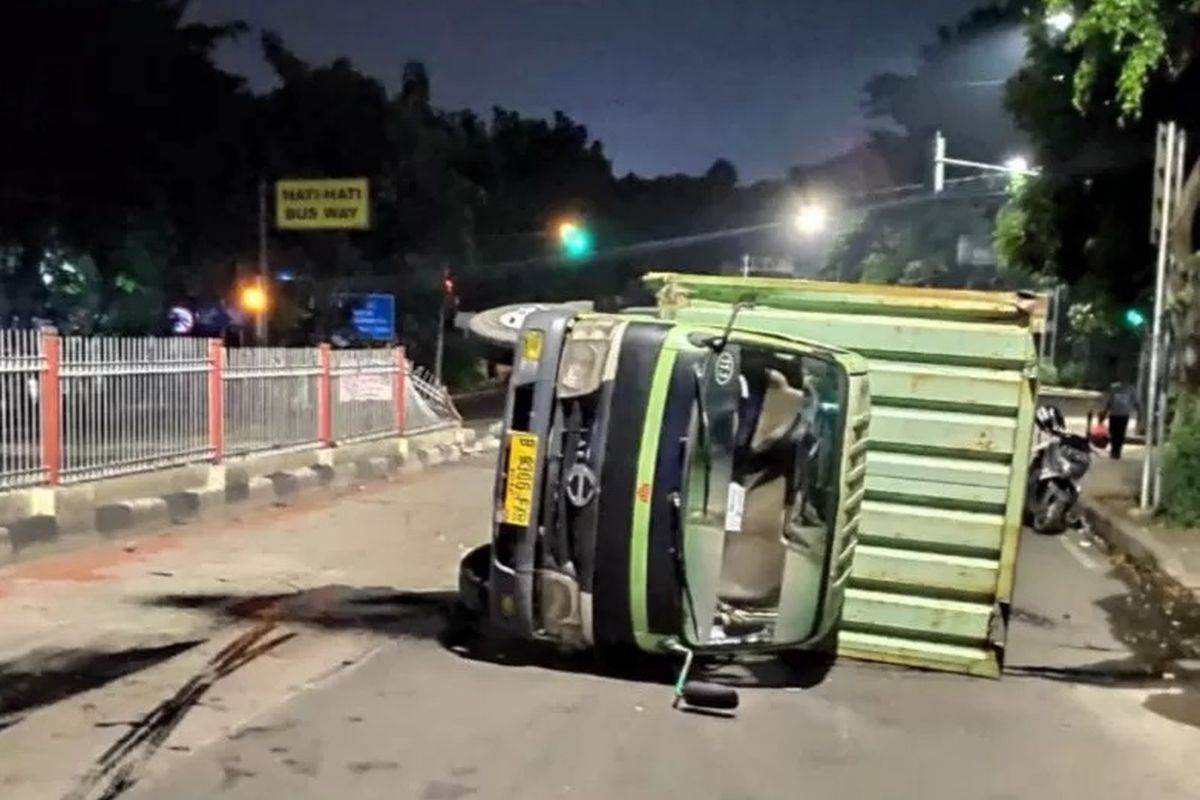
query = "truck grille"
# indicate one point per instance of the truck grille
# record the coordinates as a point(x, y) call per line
point(567, 510)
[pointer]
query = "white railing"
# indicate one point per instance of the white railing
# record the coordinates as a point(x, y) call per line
point(21, 366)
point(80, 408)
point(428, 402)
point(271, 398)
point(364, 393)
point(132, 404)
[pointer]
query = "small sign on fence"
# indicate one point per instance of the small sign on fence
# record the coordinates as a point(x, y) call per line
point(358, 388)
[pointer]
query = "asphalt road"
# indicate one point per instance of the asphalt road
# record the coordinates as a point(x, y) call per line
point(1086, 712)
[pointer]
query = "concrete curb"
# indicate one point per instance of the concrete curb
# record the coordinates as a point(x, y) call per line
point(142, 511)
point(231, 489)
point(1129, 538)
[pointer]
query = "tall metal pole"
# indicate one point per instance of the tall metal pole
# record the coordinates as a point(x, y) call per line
point(1055, 313)
point(260, 322)
point(1160, 433)
point(746, 265)
point(1160, 279)
point(441, 330)
point(939, 162)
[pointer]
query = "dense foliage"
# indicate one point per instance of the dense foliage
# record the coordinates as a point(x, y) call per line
point(131, 166)
point(1091, 101)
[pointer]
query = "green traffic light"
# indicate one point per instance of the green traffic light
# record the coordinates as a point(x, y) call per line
point(1134, 318)
point(576, 240)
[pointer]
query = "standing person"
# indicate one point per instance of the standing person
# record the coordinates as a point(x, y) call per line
point(1120, 403)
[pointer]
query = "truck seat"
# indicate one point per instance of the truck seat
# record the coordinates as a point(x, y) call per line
point(752, 569)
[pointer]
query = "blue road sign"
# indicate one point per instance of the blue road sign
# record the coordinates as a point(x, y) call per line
point(374, 316)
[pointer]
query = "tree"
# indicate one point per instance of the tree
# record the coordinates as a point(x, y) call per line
point(1132, 63)
point(950, 91)
point(118, 129)
point(954, 89)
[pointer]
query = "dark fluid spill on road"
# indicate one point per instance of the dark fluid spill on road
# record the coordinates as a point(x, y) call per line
point(37, 681)
point(1159, 621)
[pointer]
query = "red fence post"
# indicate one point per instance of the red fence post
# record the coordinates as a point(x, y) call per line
point(401, 384)
point(216, 399)
point(50, 395)
point(325, 397)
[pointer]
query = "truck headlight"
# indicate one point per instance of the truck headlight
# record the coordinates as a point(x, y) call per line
point(584, 356)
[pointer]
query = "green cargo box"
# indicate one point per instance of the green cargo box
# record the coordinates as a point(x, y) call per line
point(952, 379)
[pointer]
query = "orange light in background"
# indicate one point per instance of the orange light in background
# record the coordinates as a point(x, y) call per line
point(253, 299)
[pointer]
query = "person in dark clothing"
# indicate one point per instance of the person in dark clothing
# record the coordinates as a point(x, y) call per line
point(1120, 403)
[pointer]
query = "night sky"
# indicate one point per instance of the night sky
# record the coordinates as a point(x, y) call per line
point(667, 85)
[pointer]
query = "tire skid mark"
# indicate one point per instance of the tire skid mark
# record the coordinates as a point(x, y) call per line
point(120, 767)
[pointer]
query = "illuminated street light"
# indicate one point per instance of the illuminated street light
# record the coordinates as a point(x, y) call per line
point(1060, 21)
point(1018, 165)
point(811, 219)
point(253, 299)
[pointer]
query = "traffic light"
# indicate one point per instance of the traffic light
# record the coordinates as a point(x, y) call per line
point(1134, 319)
point(449, 292)
point(575, 239)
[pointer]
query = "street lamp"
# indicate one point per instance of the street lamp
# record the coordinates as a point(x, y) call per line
point(811, 219)
point(253, 299)
point(1018, 165)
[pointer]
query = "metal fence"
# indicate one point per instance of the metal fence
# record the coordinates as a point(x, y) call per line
point(364, 393)
point(271, 398)
point(21, 366)
point(132, 404)
point(80, 408)
point(427, 403)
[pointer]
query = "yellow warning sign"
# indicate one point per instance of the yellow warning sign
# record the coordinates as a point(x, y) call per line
point(327, 204)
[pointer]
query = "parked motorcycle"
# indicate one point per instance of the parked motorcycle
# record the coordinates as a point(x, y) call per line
point(1060, 460)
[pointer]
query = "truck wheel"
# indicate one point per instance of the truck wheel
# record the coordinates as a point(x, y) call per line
point(473, 573)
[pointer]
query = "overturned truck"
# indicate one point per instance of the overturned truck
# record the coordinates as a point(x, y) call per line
point(698, 478)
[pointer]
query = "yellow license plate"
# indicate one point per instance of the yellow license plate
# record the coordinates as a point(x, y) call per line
point(531, 349)
point(522, 474)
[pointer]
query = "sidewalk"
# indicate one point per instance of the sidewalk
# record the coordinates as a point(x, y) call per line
point(1110, 496)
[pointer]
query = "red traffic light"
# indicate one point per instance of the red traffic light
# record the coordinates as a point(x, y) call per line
point(448, 286)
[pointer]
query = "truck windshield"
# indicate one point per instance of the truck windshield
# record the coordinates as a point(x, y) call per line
point(762, 480)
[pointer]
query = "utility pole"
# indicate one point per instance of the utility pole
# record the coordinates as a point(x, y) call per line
point(746, 265)
point(1049, 349)
point(260, 322)
point(447, 289)
point(939, 162)
point(1169, 158)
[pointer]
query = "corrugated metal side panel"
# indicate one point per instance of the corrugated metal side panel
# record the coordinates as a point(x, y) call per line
point(951, 412)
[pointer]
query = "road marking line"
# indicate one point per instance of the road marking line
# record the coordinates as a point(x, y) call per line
point(1077, 554)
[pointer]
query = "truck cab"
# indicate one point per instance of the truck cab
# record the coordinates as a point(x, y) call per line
point(664, 485)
